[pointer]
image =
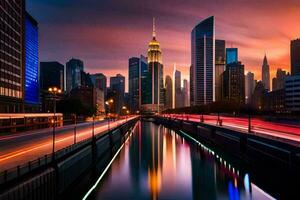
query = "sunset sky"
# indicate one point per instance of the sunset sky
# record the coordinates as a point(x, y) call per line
point(105, 33)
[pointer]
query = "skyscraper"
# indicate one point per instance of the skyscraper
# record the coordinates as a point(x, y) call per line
point(74, 67)
point(203, 62)
point(249, 87)
point(155, 68)
point(185, 93)
point(134, 83)
point(219, 67)
point(234, 83)
point(178, 92)
point(278, 81)
point(169, 93)
point(231, 55)
point(145, 84)
point(295, 57)
point(32, 96)
point(99, 82)
point(266, 74)
point(12, 55)
point(51, 75)
point(117, 85)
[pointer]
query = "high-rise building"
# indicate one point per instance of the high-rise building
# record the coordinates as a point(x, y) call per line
point(231, 55)
point(203, 62)
point(99, 82)
point(12, 55)
point(155, 70)
point(134, 83)
point(169, 93)
point(234, 83)
point(145, 84)
point(139, 94)
point(292, 93)
point(278, 81)
point(258, 97)
point(74, 67)
point(219, 67)
point(31, 90)
point(295, 57)
point(51, 75)
point(177, 87)
point(117, 85)
point(249, 87)
point(185, 93)
point(266, 74)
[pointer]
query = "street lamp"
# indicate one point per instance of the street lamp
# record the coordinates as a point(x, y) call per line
point(75, 123)
point(54, 91)
point(108, 103)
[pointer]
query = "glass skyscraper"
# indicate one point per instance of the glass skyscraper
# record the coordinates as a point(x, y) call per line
point(203, 62)
point(139, 90)
point(74, 67)
point(231, 55)
point(31, 61)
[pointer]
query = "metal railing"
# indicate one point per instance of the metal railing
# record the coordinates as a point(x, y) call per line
point(23, 169)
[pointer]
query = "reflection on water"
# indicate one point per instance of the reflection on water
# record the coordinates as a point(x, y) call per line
point(157, 163)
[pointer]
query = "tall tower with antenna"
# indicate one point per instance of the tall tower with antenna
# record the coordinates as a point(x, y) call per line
point(155, 68)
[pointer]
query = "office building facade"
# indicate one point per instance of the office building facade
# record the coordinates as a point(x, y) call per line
point(292, 93)
point(51, 75)
point(168, 93)
point(278, 81)
point(185, 93)
point(231, 55)
point(249, 87)
point(12, 56)
point(203, 63)
point(134, 84)
point(178, 91)
point(220, 62)
point(234, 83)
point(74, 67)
point(295, 58)
point(117, 86)
point(31, 90)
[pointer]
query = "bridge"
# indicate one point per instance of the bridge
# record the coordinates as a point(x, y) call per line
point(36, 165)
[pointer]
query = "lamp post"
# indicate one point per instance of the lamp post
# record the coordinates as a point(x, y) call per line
point(93, 131)
point(75, 123)
point(54, 91)
point(108, 103)
point(125, 111)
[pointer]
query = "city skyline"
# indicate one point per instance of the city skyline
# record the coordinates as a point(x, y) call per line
point(130, 36)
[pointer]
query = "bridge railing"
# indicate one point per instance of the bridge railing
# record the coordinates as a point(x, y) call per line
point(23, 169)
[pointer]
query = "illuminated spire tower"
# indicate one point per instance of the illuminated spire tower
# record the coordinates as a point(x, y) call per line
point(155, 68)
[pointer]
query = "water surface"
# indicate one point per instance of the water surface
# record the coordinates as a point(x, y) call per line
point(157, 163)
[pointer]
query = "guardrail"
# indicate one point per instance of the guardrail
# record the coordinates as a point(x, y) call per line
point(19, 171)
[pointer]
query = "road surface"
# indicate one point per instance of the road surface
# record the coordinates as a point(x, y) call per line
point(279, 131)
point(20, 148)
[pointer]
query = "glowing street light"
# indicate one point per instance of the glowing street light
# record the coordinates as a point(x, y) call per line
point(54, 91)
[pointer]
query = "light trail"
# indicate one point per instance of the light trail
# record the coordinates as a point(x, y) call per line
point(19, 154)
point(265, 128)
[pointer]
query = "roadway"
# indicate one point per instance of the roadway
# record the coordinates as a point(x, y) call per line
point(20, 148)
point(285, 132)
